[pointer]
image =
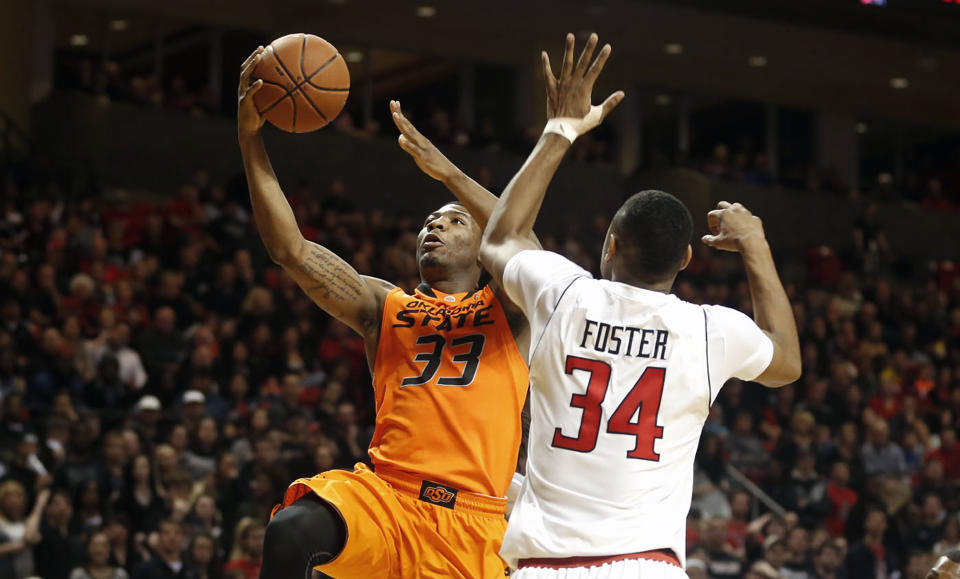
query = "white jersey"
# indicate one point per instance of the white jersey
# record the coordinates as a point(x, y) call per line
point(621, 382)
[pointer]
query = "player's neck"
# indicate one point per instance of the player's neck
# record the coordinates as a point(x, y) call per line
point(452, 284)
point(662, 286)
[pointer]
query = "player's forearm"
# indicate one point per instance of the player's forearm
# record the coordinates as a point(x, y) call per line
point(516, 212)
point(271, 211)
point(771, 307)
point(474, 196)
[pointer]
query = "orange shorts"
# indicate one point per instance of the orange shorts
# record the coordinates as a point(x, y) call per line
point(392, 532)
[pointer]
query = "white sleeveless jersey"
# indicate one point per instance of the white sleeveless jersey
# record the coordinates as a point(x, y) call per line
point(621, 382)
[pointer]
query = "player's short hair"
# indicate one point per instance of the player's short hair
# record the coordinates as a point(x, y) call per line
point(653, 230)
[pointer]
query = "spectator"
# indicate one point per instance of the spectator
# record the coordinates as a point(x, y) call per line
point(806, 491)
point(828, 562)
point(842, 498)
point(140, 499)
point(722, 562)
point(59, 550)
point(948, 453)
point(247, 548)
point(97, 564)
point(871, 557)
point(747, 452)
point(797, 564)
point(19, 533)
point(202, 556)
point(880, 456)
point(951, 535)
point(204, 518)
point(930, 529)
point(166, 561)
point(919, 564)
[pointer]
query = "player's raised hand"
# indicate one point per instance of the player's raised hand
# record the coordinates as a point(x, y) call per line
point(732, 227)
point(569, 96)
point(249, 119)
point(430, 160)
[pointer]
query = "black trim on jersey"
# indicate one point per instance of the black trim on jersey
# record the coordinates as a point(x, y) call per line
point(706, 350)
point(555, 306)
point(425, 289)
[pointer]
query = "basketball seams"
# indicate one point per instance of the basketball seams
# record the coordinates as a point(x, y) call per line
point(279, 100)
point(309, 78)
point(293, 124)
point(313, 105)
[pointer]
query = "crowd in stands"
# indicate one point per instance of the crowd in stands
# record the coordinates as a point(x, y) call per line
point(161, 382)
point(934, 186)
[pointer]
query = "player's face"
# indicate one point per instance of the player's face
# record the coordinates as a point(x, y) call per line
point(945, 569)
point(449, 238)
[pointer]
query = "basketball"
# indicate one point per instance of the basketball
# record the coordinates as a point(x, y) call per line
point(305, 83)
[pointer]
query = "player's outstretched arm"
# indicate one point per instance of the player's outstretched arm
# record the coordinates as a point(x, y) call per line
point(329, 281)
point(734, 228)
point(571, 114)
point(474, 196)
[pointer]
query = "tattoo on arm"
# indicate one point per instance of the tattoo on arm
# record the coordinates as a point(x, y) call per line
point(331, 276)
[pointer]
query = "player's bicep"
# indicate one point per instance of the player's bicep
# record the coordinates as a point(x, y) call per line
point(335, 286)
point(778, 368)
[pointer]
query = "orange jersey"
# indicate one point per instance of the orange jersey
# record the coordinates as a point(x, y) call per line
point(449, 385)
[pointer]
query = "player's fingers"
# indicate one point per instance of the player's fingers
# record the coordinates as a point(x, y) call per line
point(251, 57)
point(587, 54)
point(551, 79)
point(612, 102)
point(254, 88)
point(567, 69)
point(724, 205)
point(713, 220)
point(405, 126)
point(406, 144)
point(710, 240)
point(248, 70)
point(594, 71)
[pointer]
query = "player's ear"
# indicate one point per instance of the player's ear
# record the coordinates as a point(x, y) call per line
point(611, 248)
point(686, 258)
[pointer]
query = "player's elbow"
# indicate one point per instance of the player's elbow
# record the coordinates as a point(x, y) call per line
point(787, 372)
point(489, 248)
point(284, 253)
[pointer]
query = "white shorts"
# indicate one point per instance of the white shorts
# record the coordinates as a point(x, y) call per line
point(627, 569)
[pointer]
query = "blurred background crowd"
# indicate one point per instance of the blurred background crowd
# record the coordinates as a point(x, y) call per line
point(161, 383)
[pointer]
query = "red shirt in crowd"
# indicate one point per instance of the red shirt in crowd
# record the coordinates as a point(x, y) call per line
point(842, 499)
point(886, 406)
point(950, 458)
point(249, 567)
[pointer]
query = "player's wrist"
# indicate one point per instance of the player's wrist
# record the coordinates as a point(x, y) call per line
point(451, 175)
point(572, 127)
point(753, 243)
point(247, 135)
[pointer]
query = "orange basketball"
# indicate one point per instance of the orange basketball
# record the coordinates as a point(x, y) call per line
point(305, 83)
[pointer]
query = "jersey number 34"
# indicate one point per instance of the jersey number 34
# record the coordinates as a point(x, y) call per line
point(643, 401)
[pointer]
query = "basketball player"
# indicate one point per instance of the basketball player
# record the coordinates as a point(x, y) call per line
point(947, 567)
point(622, 372)
point(449, 382)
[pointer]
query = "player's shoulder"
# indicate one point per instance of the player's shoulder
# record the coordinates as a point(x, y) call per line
point(542, 261)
